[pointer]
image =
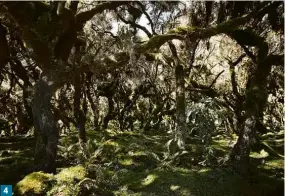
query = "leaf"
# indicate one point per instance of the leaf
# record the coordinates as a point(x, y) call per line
point(70, 147)
point(154, 156)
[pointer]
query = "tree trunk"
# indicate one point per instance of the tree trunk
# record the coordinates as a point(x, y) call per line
point(45, 125)
point(241, 150)
point(110, 114)
point(256, 97)
point(79, 115)
point(180, 107)
point(94, 106)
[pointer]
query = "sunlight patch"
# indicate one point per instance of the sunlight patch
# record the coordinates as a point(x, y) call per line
point(174, 187)
point(262, 154)
point(204, 170)
point(149, 179)
point(126, 162)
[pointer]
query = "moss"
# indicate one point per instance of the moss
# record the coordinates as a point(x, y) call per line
point(279, 163)
point(67, 181)
point(71, 173)
point(36, 183)
point(39, 183)
point(149, 179)
point(260, 155)
point(126, 161)
point(182, 29)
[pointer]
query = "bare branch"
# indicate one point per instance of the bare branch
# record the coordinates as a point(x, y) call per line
point(83, 17)
point(216, 78)
point(135, 25)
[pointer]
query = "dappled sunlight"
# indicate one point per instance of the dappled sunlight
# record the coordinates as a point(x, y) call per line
point(174, 187)
point(142, 98)
point(261, 155)
point(149, 180)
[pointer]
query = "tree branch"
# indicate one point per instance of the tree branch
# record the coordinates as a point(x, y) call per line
point(196, 33)
point(83, 17)
point(216, 78)
point(135, 25)
point(147, 16)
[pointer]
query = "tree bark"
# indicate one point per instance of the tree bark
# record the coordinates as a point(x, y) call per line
point(255, 102)
point(45, 125)
point(94, 106)
point(79, 114)
point(180, 107)
point(110, 114)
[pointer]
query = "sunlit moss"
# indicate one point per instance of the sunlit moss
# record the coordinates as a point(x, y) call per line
point(182, 29)
point(204, 170)
point(126, 161)
point(37, 182)
point(68, 174)
point(275, 163)
point(66, 181)
point(174, 187)
point(261, 154)
point(149, 179)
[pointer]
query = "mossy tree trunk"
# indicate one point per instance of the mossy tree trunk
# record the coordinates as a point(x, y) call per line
point(93, 103)
point(110, 114)
point(80, 113)
point(255, 101)
point(45, 125)
point(52, 59)
point(180, 129)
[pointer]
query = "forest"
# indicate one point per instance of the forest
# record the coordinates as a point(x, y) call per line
point(142, 98)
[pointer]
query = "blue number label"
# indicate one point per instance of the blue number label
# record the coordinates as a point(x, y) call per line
point(6, 190)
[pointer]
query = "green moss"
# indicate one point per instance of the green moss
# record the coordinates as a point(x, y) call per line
point(64, 189)
point(67, 181)
point(149, 179)
point(34, 184)
point(71, 173)
point(182, 29)
point(279, 163)
point(261, 154)
point(126, 161)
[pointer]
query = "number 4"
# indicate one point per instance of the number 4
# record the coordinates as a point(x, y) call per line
point(5, 190)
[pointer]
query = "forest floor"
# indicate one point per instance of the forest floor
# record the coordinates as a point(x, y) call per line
point(131, 164)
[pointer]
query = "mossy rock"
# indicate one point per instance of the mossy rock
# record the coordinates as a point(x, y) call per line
point(36, 183)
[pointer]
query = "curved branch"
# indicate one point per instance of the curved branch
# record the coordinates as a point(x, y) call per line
point(147, 16)
point(83, 17)
point(216, 78)
point(196, 33)
point(135, 25)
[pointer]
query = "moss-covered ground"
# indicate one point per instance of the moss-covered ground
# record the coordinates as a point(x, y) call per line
point(132, 164)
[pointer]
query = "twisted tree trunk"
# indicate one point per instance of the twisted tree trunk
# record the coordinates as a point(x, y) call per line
point(180, 107)
point(79, 114)
point(45, 125)
point(255, 102)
